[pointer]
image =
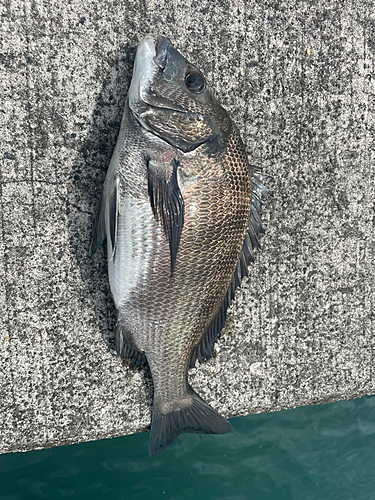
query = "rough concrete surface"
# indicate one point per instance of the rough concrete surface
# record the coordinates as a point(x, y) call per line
point(298, 79)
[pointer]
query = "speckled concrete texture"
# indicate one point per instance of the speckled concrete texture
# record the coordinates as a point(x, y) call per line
point(298, 79)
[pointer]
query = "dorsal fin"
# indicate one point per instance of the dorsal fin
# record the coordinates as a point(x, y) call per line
point(167, 205)
point(205, 347)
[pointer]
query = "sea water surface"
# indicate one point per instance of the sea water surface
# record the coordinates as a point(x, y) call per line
point(315, 452)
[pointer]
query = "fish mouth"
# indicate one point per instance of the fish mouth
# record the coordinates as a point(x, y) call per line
point(155, 51)
point(151, 58)
point(143, 71)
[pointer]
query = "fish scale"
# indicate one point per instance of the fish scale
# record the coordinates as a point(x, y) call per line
point(181, 225)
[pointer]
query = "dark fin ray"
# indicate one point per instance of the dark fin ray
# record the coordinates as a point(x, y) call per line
point(125, 349)
point(256, 202)
point(167, 205)
point(205, 347)
point(237, 275)
point(113, 215)
point(255, 220)
point(98, 234)
point(243, 265)
point(248, 250)
point(199, 418)
point(259, 177)
point(252, 233)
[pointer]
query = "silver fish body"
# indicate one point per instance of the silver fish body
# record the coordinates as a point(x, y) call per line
point(180, 210)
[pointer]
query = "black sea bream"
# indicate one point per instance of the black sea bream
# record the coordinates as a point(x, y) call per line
point(180, 210)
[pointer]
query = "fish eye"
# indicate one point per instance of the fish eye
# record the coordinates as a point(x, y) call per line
point(194, 81)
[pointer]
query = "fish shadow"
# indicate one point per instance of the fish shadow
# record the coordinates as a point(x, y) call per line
point(84, 191)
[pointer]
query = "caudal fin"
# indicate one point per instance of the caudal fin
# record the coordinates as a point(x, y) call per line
point(198, 418)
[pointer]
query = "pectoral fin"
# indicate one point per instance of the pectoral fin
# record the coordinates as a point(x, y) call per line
point(167, 204)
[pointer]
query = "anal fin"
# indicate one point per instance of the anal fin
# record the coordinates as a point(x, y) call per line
point(126, 349)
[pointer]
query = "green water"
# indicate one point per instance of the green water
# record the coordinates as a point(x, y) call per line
point(317, 452)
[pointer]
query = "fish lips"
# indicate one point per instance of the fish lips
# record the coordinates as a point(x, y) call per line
point(143, 72)
point(151, 58)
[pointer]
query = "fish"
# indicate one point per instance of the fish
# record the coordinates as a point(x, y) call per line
point(180, 213)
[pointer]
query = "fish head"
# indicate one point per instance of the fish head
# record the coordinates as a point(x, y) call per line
point(170, 98)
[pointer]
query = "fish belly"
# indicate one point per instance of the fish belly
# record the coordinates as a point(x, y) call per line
point(136, 233)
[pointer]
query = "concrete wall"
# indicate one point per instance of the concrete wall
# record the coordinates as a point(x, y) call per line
point(298, 80)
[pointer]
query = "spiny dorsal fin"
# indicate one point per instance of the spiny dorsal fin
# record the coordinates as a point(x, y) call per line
point(205, 348)
point(167, 205)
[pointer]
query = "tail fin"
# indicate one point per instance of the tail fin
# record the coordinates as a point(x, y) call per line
point(198, 418)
